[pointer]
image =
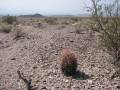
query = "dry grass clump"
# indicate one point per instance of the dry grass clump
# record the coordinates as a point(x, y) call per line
point(39, 24)
point(68, 62)
point(65, 22)
point(74, 19)
point(50, 20)
point(77, 28)
point(5, 28)
point(18, 33)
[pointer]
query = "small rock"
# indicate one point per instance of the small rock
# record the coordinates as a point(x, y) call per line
point(56, 53)
point(13, 59)
point(93, 65)
point(25, 47)
point(118, 87)
point(43, 88)
point(55, 88)
point(34, 67)
point(50, 77)
point(71, 41)
point(90, 81)
point(66, 81)
point(1, 42)
point(107, 72)
point(44, 81)
point(37, 81)
point(51, 45)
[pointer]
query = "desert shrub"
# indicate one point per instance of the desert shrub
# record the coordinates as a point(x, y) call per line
point(9, 19)
point(106, 21)
point(50, 20)
point(39, 24)
point(78, 29)
point(65, 22)
point(75, 19)
point(18, 33)
point(6, 28)
point(68, 62)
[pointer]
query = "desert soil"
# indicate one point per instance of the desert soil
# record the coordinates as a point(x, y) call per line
point(37, 56)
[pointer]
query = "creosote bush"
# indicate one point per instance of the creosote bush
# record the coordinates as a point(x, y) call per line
point(51, 20)
point(5, 28)
point(106, 21)
point(9, 19)
point(68, 62)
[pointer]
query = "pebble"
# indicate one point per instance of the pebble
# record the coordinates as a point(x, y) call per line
point(44, 88)
point(34, 67)
point(118, 87)
point(50, 77)
point(13, 59)
point(66, 81)
point(90, 81)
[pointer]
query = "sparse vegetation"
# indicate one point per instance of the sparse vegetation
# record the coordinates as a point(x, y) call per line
point(39, 24)
point(27, 82)
point(78, 29)
point(75, 19)
point(106, 21)
point(68, 62)
point(9, 19)
point(18, 34)
point(65, 23)
point(50, 20)
point(6, 28)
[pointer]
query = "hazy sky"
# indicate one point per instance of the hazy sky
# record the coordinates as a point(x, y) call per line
point(52, 7)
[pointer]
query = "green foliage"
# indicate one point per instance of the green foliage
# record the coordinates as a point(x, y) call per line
point(9, 19)
point(106, 21)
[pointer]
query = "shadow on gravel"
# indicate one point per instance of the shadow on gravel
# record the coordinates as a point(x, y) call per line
point(80, 76)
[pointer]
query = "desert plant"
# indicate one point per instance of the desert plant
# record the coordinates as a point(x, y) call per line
point(28, 82)
point(9, 19)
point(78, 29)
point(75, 19)
point(68, 62)
point(18, 33)
point(39, 24)
point(106, 21)
point(65, 23)
point(50, 20)
point(6, 28)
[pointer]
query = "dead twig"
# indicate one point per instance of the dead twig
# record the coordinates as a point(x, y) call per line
point(27, 82)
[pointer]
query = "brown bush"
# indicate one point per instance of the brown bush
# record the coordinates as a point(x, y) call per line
point(51, 20)
point(68, 62)
point(6, 28)
point(18, 33)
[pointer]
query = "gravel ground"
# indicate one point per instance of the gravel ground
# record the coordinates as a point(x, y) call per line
point(37, 57)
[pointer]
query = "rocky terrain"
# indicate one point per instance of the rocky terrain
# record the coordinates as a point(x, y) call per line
point(36, 56)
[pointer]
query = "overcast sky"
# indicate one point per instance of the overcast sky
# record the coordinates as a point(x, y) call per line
point(45, 7)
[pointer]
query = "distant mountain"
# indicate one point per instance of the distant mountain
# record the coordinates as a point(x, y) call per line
point(30, 16)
